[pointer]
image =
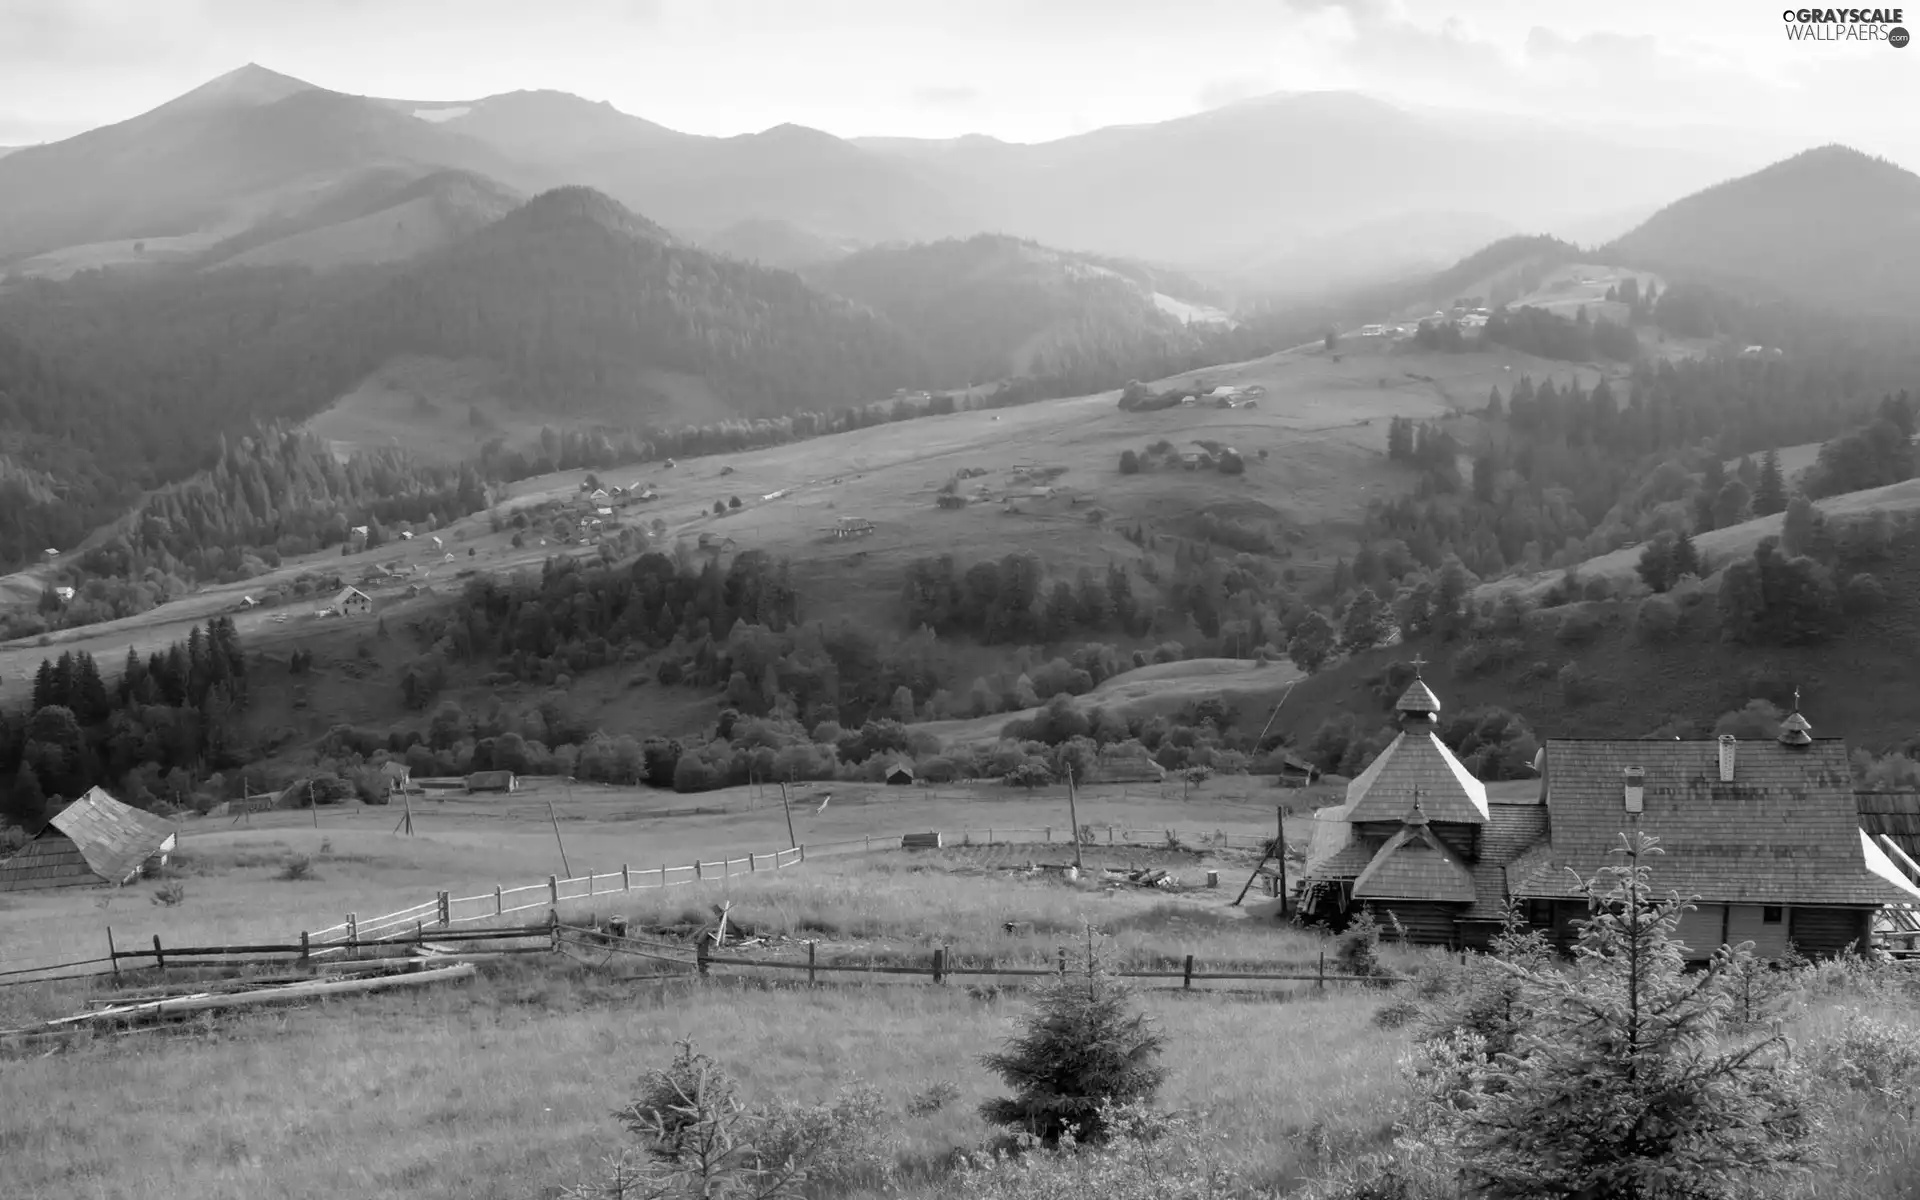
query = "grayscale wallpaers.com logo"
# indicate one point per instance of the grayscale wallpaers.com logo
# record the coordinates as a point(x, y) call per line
point(1846, 25)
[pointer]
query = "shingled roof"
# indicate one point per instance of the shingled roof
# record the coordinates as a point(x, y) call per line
point(1416, 759)
point(1784, 831)
point(1415, 865)
point(113, 837)
point(1895, 814)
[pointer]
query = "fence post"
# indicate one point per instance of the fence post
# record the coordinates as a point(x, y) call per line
point(157, 955)
point(869, 843)
point(1049, 835)
point(1109, 835)
point(626, 880)
point(803, 852)
point(553, 889)
point(752, 865)
point(1186, 975)
point(589, 883)
point(305, 948)
point(1322, 984)
point(810, 946)
point(446, 908)
point(697, 875)
point(353, 933)
point(939, 964)
point(1063, 960)
point(113, 956)
point(499, 902)
point(553, 928)
point(663, 874)
point(700, 953)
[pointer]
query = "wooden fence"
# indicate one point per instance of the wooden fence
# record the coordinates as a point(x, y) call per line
point(699, 960)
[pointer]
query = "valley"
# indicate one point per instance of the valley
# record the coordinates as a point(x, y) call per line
point(952, 632)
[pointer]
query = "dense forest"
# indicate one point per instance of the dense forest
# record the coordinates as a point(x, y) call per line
point(167, 722)
point(1561, 474)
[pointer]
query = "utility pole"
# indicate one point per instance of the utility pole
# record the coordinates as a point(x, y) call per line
point(313, 806)
point(792, 841)
point(556, 831)
point(1073, 814)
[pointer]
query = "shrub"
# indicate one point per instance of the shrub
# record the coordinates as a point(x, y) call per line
point(1657, 619)
point(936, 1096)
point(1577, 628)
point(298, 870)
point(1129, 463)
point(1359, 951)
point(696, 1138)
point(170, 894)
point(1863, 594)
point(1576, 686)
point(1085, 1048)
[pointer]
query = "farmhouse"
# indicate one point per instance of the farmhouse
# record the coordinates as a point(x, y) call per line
point(1764, 835)
point(493, 781)
point(94, 840)
point(351, 602)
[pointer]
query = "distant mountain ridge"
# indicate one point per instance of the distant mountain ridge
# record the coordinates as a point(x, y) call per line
point(1217, 189)
point(1830, 226)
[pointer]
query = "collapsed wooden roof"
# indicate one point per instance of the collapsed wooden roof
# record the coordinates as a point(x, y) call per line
point(114, 838)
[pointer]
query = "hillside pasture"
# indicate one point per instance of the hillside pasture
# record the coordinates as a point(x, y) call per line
point(1250, 689)
point(1719, 546)
point(467, 845)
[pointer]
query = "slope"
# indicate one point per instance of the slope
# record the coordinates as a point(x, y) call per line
point(385, 214)
point(702, 185)
point(1830, 226)
point(1857, 685)
point(992, 306)
point(772, 242)
point(216, 160)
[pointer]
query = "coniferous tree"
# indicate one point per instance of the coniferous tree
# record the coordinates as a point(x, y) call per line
point(1770, 494)
point(1626, 1080)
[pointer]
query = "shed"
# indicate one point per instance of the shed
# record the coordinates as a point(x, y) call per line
point(94, 840)
point(397, 774)
point(900, 774)
point(493, 781)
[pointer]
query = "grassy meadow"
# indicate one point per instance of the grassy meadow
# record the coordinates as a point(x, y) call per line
point(230, 873)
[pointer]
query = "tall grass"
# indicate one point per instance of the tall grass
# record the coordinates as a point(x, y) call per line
point(503, 1088)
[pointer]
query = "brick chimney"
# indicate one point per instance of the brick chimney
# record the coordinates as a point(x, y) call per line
point(1726, 757)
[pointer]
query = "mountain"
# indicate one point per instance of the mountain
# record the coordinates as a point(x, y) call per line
point(991, 306)
point(384, 214)
point(776, 243)
point(215, 162)
point(1831, 226)
point(1207, 189)
point(701, 185)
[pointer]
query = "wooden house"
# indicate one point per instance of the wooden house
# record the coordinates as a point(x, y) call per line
point(95, 840)
point(1764, 836)
point(900, 774)
point(350, 602)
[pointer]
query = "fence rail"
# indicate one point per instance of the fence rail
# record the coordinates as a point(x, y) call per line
point(699, 961)
point(445, 911)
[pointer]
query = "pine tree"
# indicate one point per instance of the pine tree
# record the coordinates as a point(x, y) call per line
point(26, 804)
point(1625, 1081)
point(1770, 494)
point(1085, 1047)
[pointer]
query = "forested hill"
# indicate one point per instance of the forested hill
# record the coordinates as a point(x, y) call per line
point(1830, 226)
point(578, 298)
point(990, 306)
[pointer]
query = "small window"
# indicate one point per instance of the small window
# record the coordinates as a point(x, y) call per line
point(1770, 914)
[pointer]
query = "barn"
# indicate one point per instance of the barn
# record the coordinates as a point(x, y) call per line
point(95, 840)
point(493, 781)
point(900, 774)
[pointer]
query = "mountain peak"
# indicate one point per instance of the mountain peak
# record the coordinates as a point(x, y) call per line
point(576, 205)
point(247, 86)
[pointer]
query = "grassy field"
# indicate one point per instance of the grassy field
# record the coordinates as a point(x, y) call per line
point(1322, 424)
point(234, 893)
point(502, 1087)
point(1251, 688)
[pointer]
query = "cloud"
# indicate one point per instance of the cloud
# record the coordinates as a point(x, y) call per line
point(946, 96)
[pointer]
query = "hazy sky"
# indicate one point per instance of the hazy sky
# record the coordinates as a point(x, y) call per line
point(1024, 70)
